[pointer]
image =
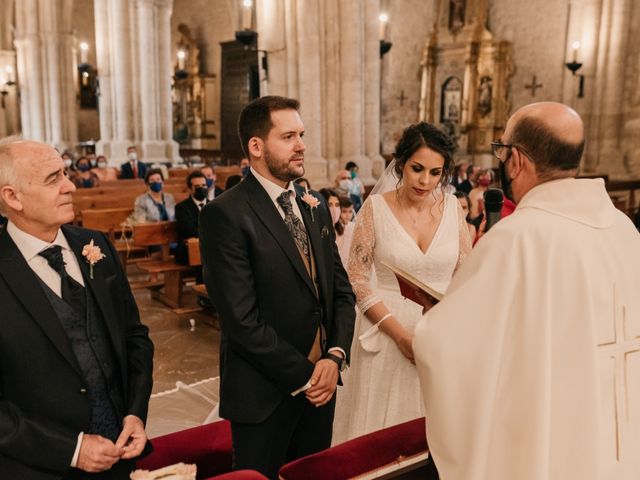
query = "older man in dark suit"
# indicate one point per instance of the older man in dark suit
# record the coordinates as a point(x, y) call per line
point(76, 362)
point(284, 301)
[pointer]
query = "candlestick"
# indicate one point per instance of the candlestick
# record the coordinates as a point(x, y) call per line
point(246, 14)
point(181, 57)
point(384, 18)
point(84, 52)
point(576, 47)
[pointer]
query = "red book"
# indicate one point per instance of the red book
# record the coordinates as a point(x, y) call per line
point(409, 284)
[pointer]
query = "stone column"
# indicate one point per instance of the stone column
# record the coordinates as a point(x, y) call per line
point(309, 58)
point(46, 67)
point(133, 46)
point(372, 91)
point(352, 98)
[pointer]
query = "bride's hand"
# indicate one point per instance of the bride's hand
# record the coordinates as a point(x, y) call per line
point(405, 346)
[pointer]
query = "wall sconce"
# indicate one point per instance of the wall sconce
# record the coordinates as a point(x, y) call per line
point(385, 45)
point(8, 82)
point(574, 66)
point(249, 38)
point(87, 80)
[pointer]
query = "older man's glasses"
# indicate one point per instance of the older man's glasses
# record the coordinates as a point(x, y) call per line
point(501, 150)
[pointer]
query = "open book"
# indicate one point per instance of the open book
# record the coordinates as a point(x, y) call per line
point(409, 284)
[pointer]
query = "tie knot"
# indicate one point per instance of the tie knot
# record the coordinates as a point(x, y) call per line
point(53, 255)
point(284, 200)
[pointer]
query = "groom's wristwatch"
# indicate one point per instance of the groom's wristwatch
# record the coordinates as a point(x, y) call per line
point(341, 362)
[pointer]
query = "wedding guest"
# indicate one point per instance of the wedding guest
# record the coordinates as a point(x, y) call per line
point(154, 205)
point(356, 192)
point(410, 223)
point(232, 181)
point(133, 168)
point(84, 176)
point(465, 203)
point(209, 172)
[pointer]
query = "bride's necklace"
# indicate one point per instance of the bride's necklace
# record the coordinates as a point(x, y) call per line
point(414, 218)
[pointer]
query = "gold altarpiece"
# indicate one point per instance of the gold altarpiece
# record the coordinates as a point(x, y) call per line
point(194, 112)
point(465, 78)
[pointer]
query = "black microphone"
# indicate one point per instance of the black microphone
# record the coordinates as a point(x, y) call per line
point(493, 199)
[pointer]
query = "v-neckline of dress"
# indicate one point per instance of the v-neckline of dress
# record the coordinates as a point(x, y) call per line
point(408, 235)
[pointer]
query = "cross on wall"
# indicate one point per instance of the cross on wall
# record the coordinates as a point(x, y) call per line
point(402, 98)
point(533, 86)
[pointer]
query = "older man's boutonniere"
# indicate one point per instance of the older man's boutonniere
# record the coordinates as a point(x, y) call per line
point(93, 254)
point(311, 201)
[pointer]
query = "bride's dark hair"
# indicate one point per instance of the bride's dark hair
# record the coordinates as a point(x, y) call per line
point(420, 135)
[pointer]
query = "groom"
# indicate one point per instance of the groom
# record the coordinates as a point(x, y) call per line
point(285, 304)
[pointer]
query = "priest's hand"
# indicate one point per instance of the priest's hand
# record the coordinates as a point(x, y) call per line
point(133, 438)
point(405, 345)
point(97, 454)
point(324, 382)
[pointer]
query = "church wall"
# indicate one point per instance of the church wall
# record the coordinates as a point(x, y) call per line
point(538, 32)
point(211, 22)
point(410, 22)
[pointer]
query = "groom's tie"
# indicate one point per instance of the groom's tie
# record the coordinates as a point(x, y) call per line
point(294, 224)
point(72, 292)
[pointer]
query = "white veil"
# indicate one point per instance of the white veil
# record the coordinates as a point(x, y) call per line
point(388, 180)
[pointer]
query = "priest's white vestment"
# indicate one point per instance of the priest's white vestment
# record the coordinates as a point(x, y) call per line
point(530, 365)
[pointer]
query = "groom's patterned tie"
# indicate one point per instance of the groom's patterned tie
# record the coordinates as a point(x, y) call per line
point(72, 292)
point(296, 227)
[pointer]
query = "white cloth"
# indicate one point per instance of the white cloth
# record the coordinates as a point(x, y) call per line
point(381, 388)
point(530, 365)
point(30, 247)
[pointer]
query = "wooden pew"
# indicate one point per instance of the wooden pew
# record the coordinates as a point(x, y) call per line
point(162, 234)
point(623, 193)
point(222, 173)
point(193, 249)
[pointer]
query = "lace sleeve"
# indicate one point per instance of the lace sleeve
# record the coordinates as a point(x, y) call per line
point(360, 262)
point(464, 236)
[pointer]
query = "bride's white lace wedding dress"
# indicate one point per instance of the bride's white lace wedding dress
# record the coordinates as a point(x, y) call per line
point(381, 387)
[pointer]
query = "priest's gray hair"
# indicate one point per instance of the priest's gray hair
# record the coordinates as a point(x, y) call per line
point(8, 172)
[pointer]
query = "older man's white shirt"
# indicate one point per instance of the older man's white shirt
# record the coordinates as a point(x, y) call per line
point(530, 366)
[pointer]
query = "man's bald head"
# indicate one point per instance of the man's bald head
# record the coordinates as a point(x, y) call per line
point(550, 134)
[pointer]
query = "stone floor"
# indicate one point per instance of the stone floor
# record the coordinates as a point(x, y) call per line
point(186, 364)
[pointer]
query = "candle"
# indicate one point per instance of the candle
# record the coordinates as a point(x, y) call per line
point(384, 18)
point(84, 52)
point(246, 14)
point(181, 57)
point(9, 74)
point(576, 46)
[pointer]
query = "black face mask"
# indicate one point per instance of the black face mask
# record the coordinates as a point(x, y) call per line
point(200, 193)
point(505, 180)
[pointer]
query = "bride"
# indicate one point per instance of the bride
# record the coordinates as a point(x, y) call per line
point(417, 227)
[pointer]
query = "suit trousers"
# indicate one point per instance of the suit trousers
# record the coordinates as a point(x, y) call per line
point(295, 429)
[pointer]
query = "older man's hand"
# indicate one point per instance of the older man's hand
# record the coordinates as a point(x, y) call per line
point(133, 438)
point(97, 454)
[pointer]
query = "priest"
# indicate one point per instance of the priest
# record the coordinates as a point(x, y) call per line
point(530, 365)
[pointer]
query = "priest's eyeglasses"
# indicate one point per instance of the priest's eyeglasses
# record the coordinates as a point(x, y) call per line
point(501, 151)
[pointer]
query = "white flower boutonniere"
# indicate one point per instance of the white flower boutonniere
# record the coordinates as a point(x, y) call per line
point(310, 200)
point(93, 254)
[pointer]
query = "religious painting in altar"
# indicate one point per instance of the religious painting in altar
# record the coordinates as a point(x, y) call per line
point(465, 79)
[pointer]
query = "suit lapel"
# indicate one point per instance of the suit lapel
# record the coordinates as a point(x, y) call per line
point(261, 203)
point(313, 229)
point(24, 283)
point(97, 286)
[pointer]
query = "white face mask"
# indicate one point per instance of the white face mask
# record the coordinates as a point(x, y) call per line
point(345, 184)
point(102, 164)
point(335, 214)
point(132, 156)
point(67, 162)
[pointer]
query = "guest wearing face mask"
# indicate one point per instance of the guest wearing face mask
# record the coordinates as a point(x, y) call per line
point(133, 168)
point(209, 172)
point(104, 172)
point(154, 205)
point(84, 177)
point(245, 166)
point(67, 158)
point(188, 212)
point(356, 194)
point(343, 183)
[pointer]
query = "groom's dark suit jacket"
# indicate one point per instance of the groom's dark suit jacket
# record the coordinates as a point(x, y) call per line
point(267, 304)
point(43, 400)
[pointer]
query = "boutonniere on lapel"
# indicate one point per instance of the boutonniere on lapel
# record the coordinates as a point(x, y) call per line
point(93, 254)
point(311, 201)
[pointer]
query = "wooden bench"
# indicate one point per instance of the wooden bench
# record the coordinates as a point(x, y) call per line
point(162, 234)
point(193, 249)
point(623, 195)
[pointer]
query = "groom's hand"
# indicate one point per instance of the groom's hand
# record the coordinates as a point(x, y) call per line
point(324, 381)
